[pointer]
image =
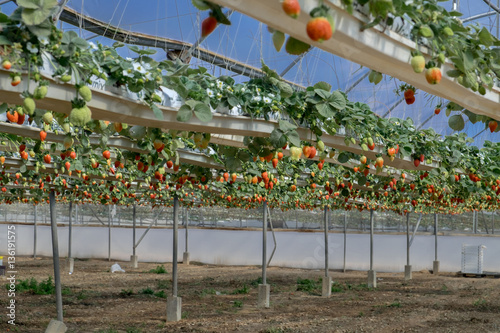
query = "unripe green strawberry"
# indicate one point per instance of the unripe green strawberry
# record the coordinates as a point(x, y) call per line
point(40, 92)
point(85, 93)
point(156, 98)
point(66, 127)
point(48, 117)
point(448, 31)
point(426, 31)
point(418, 63)
point(80, 116)
point(321, 145)
point(370, 141)
point(278, 40)
point(375, 77)
point(29, 106)
point(295, 153)
point(65, 78)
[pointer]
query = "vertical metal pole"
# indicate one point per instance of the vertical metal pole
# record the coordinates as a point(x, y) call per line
point(174, 251)
point(133, 230)
point(76, 213)
point(34, 234)
point(264, 243)
point(55, 256)
point(435, 237)
point(109, 232)
point(186, 223)
point(70, 229)
point(371, 239)
point(326, 240)
point(408, 239)
point(345, 236)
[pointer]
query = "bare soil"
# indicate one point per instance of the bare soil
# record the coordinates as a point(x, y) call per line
point(224, 299)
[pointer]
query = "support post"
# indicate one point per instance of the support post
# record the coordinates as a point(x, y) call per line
point(34, 233)
point(185, 255)
point(372, 275)
point(109, 232)
point(133, 257)
point(435, 264)
point(174, 303)
point(264, 288)
point(345, 237)
point(55, 258)
point(327, 280)
point(408, 266)
point(71, 261)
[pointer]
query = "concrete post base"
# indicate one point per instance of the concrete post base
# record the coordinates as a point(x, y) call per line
point(326, 291)
point(372, 279)
point(407, 272)
point(174, 308)
point(134, 260)
point(264, 291)
point(435, 267)
point(185, 258)
point(71, 264)
point(56, 326)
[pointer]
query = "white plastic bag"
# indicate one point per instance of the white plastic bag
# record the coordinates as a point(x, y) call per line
point(116, 268)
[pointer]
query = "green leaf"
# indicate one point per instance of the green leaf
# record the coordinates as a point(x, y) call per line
point(43, 29)
point(485, 37)
point(203, 112)
point(158, 113)
point(22, 169)
point(184, 114)
point(286, 126)
point(36, 11)
point(454, 73)
point(456, 122)
point(277, 138)
point(323, 86)
point(3, 107)
point(293, 138)
point(325, 110)
point(191, 103)
point(337, 100)
point(455, 13)
point(233, 101)
point(343, 158)
point(472, 116)
point(322, 93)
point(4, 40)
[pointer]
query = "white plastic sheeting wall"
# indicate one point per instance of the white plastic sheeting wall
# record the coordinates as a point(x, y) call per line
point(244, 247)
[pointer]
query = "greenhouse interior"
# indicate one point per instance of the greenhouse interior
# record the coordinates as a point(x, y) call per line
point(249, 166)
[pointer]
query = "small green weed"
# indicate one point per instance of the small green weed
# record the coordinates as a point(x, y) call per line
point(146, 291)
point(45, 287)
point(395, 304)
point(308, 285)
point(126, 293)
point(160, 294)
point(209, 291)
point(160, 269)
point(133, 330)
point(238, 304)
point(242, 290)
point(480, 303)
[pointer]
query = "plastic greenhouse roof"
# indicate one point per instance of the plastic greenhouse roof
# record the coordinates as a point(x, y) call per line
point(248, 41)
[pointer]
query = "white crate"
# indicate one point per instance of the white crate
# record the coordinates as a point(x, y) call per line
point(472, 259)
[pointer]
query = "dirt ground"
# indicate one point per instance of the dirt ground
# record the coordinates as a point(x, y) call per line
point(224, 299)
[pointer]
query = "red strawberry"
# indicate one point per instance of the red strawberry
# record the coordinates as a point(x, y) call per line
point(208, 26)
point(409, 93)
point(275, 162)
point(72, 155)
point(106, 154)
point(20, 119)
point(319, 29)
point(47, 158)
point(422, 158)
point(433, 75)
point(15, 80)
point(416, 162)
point(410, 100)
point(6, 64)
point(492, 125)
point(43, 135)
point(170, 164)
point(291, 8)
point(437, 110)
point(13, 117)
point(67, 165)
